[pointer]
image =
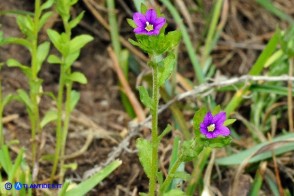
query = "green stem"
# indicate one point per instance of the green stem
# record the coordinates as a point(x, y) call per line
point(1, 116)
point(154, 132)
point(59, 123)
point(35, 84)
point(65, 129)
point(170, 175)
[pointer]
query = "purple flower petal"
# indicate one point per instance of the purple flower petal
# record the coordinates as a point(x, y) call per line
point(151, 16)
point(212, 126)
point(224, 131)
point(208, 119)
point(139, 19)
point(159, 22)
point(140, 30)
point(220, 118)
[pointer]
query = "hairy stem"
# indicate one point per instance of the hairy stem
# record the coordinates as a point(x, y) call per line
point(154, 132)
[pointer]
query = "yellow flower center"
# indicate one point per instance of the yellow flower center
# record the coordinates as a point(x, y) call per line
point(149, 27)
point(211, 127)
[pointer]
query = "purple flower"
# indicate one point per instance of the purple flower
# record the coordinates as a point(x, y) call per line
point(212, 126)
point(148, 24)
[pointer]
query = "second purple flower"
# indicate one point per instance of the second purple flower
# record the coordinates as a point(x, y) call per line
point(213, 126)
point(148, 24)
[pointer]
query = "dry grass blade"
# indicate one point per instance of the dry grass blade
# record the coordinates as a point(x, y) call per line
point(132, 97)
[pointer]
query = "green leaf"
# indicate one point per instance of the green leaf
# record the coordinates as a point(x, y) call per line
point(16, 165)
point(42, 52)
point(71, 58)
point(78, 42)
point(25, 24)
point(78, 77)
point(73, 23)
point(19, 41)
point(131, 23)
point(166, 68)
point(50, 116)
point(44, 18)
point(188, 150)
point(218, 142)
point(173, 38)
point(74, 99)
point(145, 155)
point(277, 146)
point(229, 122)
point(55, 38)
point(47, 4)
point(143, 8)
point(15, 63)
point(182, 175)
point(5, 160)
point(72, 2)
point(23, 96)
point(133, 42)
point(217, 109)
point(145, 98)
point(175, 192)
point(165, 131)
point(197, 119)
point(7, 99)
point(90, 183)
point(53, 59)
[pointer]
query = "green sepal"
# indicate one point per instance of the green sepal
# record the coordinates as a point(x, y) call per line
point(145, 98)
point(218, 142)
point(166, 68)
point(131, 23)
point(145, 155)
point(158, 44)
point(190, 150)
point(143, 8)
point(229, 122)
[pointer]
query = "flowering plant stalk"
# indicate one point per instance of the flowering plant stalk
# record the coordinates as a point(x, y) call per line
point(69, 49)
point(210, 127)
point(30, 26)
